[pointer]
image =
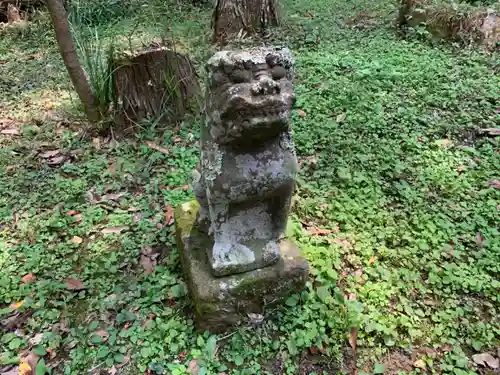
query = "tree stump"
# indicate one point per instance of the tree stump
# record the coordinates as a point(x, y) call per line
point(444, 21)
point(21, 5)
point(155, 83)
point(232, 17)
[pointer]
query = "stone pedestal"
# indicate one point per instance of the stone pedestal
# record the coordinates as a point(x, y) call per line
point(222, 302)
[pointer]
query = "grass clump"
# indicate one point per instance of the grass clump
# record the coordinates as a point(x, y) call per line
point(392, 172)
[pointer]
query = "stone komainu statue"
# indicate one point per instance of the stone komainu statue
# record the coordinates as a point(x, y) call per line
point(248, 165)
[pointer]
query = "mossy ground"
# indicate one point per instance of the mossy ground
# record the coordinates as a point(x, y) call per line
point(396, 208)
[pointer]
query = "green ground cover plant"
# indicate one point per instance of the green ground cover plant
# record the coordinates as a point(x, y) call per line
point(396, 208)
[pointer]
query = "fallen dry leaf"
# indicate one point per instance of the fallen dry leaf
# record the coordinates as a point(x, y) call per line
point(17, 305)
point(318, 231)
point(11, 167)
point(193, 367)
point(444, 143)
point(114, 230)
point(486, 360)
point(113, 371)
point(37, 339)
point(169, 215)
point(419, 363)
point(492, 132)
point(125, 361)
point(147, 263)
point(341, 117)
point(111, 169)
point(353, 341)
point(177, 140)
point(372, 259)
point(343, 242)
point(25, 369)
point(301, 113)
point(112, 197)
point(9, 131)
point(57, 160)
point(28, 364)
point(479, 240)
point(358, 273)
point(104, 335)
point(158, 148)
point(74, 284)
point(35, 56)
point(77, 240)
point(314, 350)
point(71, 345)
point(96, 142)
point(72, 212)
point(14, 370)
point(313, 161)
point(28, 279)
point(255, 318)
point(52, 353)
point(495, 184)
point(183, 187)
point(353, 338)
point(50, 154)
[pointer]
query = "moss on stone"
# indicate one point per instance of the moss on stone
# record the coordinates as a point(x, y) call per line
point(185, 217)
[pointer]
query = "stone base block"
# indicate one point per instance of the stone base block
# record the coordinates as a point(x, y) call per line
point(222, 302)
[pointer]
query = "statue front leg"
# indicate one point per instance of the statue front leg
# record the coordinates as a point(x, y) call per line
point(243, 237)
point(227, 255)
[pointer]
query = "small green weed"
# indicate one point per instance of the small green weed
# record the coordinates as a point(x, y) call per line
point(396, 210)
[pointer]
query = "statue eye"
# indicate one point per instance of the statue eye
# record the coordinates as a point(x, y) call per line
point(278, 72)
point(238, 76)
point(272, 59)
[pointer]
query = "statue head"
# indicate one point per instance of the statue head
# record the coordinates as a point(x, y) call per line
point(250, 94)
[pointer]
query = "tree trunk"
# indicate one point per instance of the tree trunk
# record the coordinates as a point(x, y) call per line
point(232, 17)
point(70, 58)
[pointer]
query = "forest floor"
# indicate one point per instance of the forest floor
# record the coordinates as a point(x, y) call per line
point(397, 208)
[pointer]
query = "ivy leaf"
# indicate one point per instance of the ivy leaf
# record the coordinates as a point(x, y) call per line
point(292, 301)
point(323, 292)
point(238, 360)
point(378, 368)
point(41, 368)
point(40, 350)
point(211, 347)
point(178, 290)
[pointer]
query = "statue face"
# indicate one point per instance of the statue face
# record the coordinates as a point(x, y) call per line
point(250, 95)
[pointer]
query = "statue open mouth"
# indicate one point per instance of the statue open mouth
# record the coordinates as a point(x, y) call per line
point(254, 115)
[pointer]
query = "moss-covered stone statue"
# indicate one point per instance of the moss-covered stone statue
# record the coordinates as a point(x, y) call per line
point(232, 241)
